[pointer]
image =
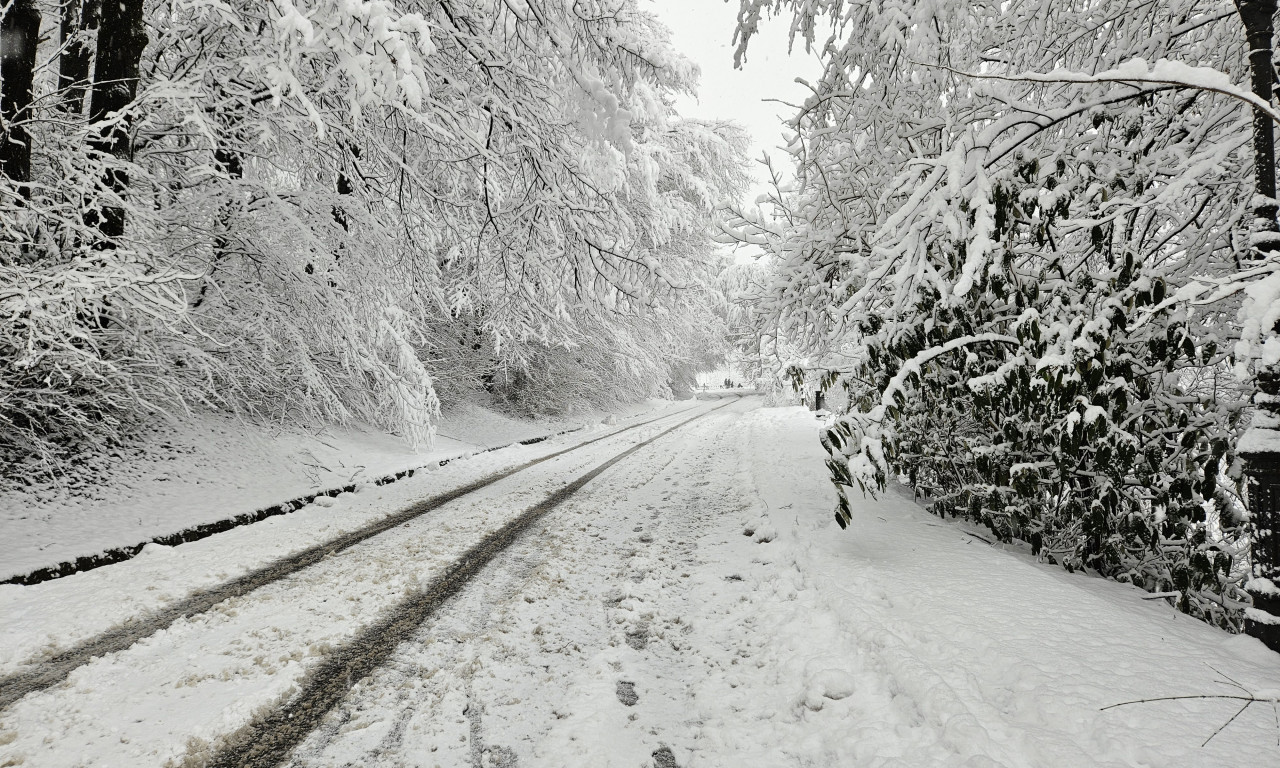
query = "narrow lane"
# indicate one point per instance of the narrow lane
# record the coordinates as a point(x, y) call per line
point(206, 675)
point(560, 655)
point(268, 739)
point(54, 665)
point(692, 606)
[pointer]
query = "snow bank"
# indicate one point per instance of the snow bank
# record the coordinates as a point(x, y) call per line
point(215, 472)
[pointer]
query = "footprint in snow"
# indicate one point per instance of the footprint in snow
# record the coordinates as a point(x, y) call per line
point(833, 684)
point(627, 693)
point(639, 637)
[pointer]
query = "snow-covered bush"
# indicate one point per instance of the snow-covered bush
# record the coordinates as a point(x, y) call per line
point(1018, 238)
point(1108, 454)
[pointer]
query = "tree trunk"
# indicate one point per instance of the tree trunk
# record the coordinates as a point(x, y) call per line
point(344, 188)
point(1259, 32)
point(78, 16)
point(1264, 546)
point(121, 38)
point(1263, 466)
point(19, 32)
point(230, 162)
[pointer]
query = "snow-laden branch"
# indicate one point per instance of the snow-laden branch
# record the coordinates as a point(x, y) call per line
point(1162, 72)
point(914, 366)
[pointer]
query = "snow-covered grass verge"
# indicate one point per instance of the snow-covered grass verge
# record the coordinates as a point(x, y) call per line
point(905, 640)
point(213, 472)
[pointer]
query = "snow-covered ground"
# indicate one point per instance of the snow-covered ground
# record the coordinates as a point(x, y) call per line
point(695, 605)
point(47, 618)
point(213, 467)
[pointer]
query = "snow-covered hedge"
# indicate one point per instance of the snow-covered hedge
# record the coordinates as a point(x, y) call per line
point(1022, 238)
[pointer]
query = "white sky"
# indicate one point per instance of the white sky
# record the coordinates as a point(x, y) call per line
point(703, 31)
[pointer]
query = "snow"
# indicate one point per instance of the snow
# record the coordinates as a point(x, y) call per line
point(834, 684)
point(898, 384)
point(902, 641)
point(45, 618)
point(715, 379)
point(213, 467)
point(1262, 586)
point(1136, 70)
point(1260, 617)
point(1260, 438)
point(1093, 413)
point(1259, 314)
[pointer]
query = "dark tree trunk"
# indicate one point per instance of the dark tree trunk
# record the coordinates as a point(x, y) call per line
point(231, 162)
point(1259, 31)
point(340, 213)
point(19, 32)
point(340, 216)
point(1264, 546)
point(121, 38)
point(345, 187)
point(1263, 467)
point(78, 16)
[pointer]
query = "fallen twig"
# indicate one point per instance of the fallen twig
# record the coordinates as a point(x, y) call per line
point(1245, 695)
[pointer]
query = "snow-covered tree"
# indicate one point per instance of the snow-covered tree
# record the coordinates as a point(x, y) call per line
point(288, 208)
point(1023, 239)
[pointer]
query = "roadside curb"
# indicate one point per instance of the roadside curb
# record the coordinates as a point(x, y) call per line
point(205, 530)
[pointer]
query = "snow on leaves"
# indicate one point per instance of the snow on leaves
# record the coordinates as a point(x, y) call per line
point(1022, 253)
point(374, 53)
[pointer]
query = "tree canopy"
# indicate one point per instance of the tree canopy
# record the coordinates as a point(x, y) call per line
point(321, 209)
point(1025, 246)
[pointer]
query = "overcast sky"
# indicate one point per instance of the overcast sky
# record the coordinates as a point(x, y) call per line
point(703, 31)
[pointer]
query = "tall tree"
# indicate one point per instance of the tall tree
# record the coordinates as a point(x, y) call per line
point(520, 172)
point(19, 34)
point(78, 18)
point(121, 40)
point(1257, 17)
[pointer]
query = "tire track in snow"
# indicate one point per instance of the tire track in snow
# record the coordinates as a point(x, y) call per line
point(482, 681)
point(268, 739)
point(56, 668)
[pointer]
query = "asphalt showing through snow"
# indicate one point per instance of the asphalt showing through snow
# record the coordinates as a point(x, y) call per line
point(56, 668)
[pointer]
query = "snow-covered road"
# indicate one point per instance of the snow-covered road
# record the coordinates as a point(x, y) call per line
point(694, 605)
